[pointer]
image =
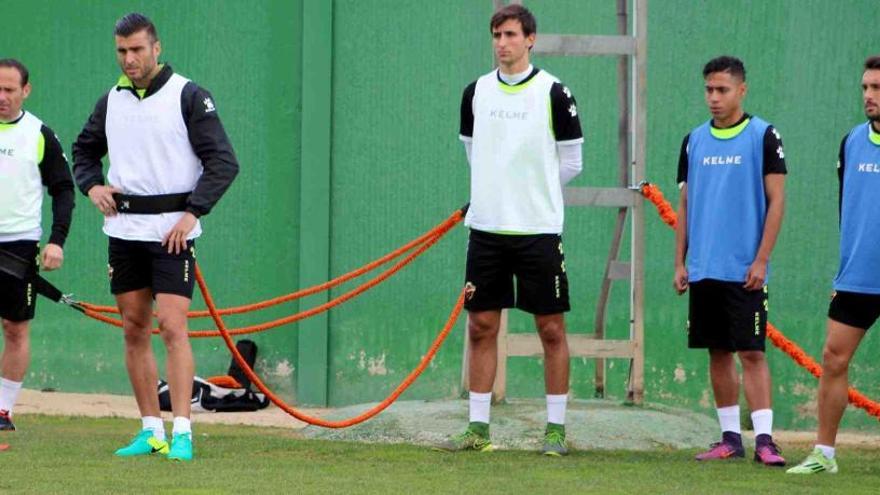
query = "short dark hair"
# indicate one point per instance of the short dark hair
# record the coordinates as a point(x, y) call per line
point(872, 63)
point(135, 22)
point(518, 12)
point(725, 63)
point(15, 64)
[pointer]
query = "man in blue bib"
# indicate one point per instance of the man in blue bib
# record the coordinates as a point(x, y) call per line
point(732, 175)
point(855, 305)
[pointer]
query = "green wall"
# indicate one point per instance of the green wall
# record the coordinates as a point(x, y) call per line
point(248, 55)
point(396, 168)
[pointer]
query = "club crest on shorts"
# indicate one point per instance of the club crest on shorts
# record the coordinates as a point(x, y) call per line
point(469, 290)
point(110, 271)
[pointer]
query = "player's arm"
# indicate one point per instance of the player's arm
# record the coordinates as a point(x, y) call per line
point(680, 278)
point(211, 144)
point(220, 166)
point(88, 150)
point(774, 190)
point(567, 131)
point(841, 163)
point(466, 121)
point(55, 175)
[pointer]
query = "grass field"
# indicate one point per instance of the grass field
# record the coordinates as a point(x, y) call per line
point(74, 455)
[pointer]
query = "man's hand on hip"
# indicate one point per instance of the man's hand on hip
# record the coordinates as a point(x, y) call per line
point(102, 197)
point(175, 239)
point(52, 257)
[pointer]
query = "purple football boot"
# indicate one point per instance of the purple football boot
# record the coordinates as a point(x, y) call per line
point(766, 452)
point(730, 447)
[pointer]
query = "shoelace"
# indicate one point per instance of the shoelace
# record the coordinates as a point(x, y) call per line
point(718, 444)
point(774, 449)
point(468, 436)
point(554, 437)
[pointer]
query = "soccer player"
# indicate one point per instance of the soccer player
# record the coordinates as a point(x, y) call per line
point(855, 305)
point(731, 173)
point(522, 137)
point(30, 158)
point(170, 162)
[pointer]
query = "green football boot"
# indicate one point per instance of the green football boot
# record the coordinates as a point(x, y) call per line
point(816, 462)
point(181, 447)
point(554, 441)
point(475, 437)
point(144, 444)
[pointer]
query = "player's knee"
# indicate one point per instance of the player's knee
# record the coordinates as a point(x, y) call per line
point(15, 334)
point(752, 359)
point(136, 337)
point(480, 330)
point(173, 333)
point(552, 333)
point(171, 324)
point(834, 362)
point(136, 323)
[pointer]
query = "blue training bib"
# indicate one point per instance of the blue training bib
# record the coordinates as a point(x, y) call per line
point(859, 221)
point(726, 202)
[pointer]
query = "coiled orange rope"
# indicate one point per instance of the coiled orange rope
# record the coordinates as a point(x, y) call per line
point(653, 194)
point(249, 372)
point(427, 240)
point(440, 229)
point(417, 246)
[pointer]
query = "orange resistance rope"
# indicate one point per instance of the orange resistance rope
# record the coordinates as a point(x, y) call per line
point(856, 398)
point(249, 372)
point(440, 229)
point(437, 233)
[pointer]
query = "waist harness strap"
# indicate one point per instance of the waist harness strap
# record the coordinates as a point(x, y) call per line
point(21, 269)
point(150, 205)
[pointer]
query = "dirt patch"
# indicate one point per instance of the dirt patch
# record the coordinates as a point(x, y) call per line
point(123, 406)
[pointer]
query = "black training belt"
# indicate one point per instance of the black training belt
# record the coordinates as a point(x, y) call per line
point(150, 205)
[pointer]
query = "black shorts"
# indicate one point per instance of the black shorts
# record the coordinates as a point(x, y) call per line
point(855, 309)
point(725, 316)
point(18, 298)
point(135, 265)
point(537, 262)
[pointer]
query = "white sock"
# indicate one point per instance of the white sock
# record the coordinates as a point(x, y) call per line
point(729, 419)
point(181, 425)
point(828, 451)
point(762, 421)
point(556, 408)
point(479, 406)
point(8, 394)
point(154, 424)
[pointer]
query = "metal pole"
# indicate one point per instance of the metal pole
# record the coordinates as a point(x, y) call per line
point(639, 134)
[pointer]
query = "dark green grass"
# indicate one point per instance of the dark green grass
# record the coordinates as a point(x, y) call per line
point(74, 455)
